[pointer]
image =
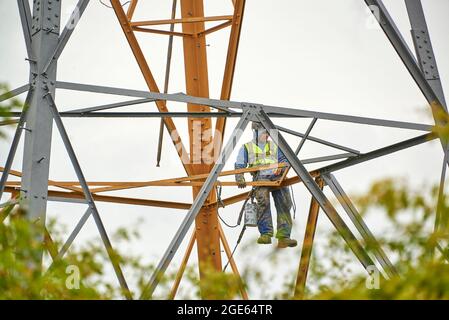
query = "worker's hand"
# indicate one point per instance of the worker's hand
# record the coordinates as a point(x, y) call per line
point(241, 184)
point(240, 179)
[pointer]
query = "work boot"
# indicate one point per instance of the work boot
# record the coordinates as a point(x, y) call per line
point(264, 239)
point(287, 242)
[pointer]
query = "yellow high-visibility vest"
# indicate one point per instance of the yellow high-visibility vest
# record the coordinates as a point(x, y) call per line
point(258, 157)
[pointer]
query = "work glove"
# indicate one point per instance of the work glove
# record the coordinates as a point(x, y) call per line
point(240, 179)
point(278, 171)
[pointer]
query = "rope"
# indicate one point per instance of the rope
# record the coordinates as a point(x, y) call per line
point(220, 202)
point(294, 202)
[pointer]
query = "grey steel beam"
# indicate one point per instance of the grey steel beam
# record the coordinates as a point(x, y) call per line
point(328, 158)
point(196, 206)
point(378, 153)
point(15, 143)
point(306, 135)
point(428, 64)
point(316, 191)
point(73, 235)
point(6, 210)
point(14, 92)
point(371, 243)
point(345, 118)
point(66, 33)
point(37, 146)
point(423, 47)
point(25, 19)
point(68, 200)
point(166, 82)
point(111, 106)
point(214, 103)
point(388, 26)
point(318, 140)
point(8, 203)
point(70, 114)
point(88, 195)
point(227, 106)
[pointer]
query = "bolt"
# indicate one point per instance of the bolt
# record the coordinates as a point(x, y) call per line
point(26, 129)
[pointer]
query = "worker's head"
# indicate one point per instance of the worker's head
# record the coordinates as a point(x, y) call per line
point(260, 134)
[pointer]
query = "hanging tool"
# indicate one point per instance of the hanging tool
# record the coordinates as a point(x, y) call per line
point(239, 221)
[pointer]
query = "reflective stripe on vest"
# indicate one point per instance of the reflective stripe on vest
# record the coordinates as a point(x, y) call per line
point(257, 157)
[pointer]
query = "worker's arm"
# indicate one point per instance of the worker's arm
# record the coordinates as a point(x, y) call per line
point(281, 159)
point(241, 163)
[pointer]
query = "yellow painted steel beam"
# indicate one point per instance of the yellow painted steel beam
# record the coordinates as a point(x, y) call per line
point(163, 32)
point(214, 29)
point(183, 266)
point(228, 76)
point(50, 182)
point(306, 251)
point(232, 263)
point(197, 84)
point(131, 9)
point(50, 245)
point(151, 83)
point(122, 185)
point(183, 20)
point(115, 199)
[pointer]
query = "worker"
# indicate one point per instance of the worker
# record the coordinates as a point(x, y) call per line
point(260, 151)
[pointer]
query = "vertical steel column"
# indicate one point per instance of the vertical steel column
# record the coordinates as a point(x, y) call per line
point(197, 84)
point(307, 244)
point(36, 159)
point(429, 68)
point(423, 47)
point(391, 31)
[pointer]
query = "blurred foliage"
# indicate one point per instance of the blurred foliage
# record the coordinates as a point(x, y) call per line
point(408, 239)
point(23, 276)
point(412, 241)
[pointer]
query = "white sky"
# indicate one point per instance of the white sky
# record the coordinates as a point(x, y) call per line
point(317, 55)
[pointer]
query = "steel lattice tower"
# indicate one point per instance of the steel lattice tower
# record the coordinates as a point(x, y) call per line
point(45, 43)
